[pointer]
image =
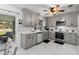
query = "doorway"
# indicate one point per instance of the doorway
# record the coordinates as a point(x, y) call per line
point(7, 28)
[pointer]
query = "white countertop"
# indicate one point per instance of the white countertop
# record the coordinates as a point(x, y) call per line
point(65, 31)
point(29, 32)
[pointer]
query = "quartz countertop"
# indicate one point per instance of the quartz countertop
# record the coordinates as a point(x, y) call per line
point(65, 31)
point(29, 32)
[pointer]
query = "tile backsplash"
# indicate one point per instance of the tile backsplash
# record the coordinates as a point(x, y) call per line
point(64, 28)
point(25, 29)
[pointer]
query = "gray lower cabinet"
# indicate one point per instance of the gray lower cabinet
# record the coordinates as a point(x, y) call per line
point(39, 37)
point(28, 40)
point(70, 38)
point(51, 35)
point(33, 37)
point(45, 35)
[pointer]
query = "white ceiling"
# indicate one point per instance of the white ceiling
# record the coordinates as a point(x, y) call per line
point(40, 7)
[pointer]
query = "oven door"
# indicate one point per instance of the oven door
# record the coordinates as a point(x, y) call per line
point(59, 35)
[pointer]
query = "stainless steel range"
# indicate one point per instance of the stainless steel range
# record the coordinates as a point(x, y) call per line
point(59, 37)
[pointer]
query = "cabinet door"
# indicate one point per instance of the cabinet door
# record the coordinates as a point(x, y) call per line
point(23, 41)
point(51, 22)
point(52, 35)
point(26, 15)
point(45, 35)
point(66, 37)
point(70, 38)
point(39, 38)
point(33, 20)
point(33, 37)
point(37, 20)
point(68, 20)
point(74, 19)
point(28, 41)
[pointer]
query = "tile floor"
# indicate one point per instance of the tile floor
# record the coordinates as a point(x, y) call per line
point(50, 48)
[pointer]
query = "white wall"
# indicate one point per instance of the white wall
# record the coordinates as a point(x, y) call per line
point(18, 16)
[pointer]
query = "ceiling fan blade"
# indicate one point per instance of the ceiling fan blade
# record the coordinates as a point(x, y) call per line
point(57, 6)
point(61, 10)
point(45, 10)
point(47, 14)
point(71, 5)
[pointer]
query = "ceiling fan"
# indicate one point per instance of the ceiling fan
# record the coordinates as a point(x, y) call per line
point(54, 10)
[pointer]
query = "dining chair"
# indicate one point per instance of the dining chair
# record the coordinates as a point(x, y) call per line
point(11, 48)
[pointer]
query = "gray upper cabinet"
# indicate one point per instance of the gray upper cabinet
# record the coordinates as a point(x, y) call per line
point(68, 20)
point(71, 20)
point(34, 18)
point(29, 17)
point(37, 21)
point(74, 17)
point(51, 21)
point(26, 17)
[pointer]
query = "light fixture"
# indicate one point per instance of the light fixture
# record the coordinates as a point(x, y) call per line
point(1, 25)
point(3, 22)
point(20, 21)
